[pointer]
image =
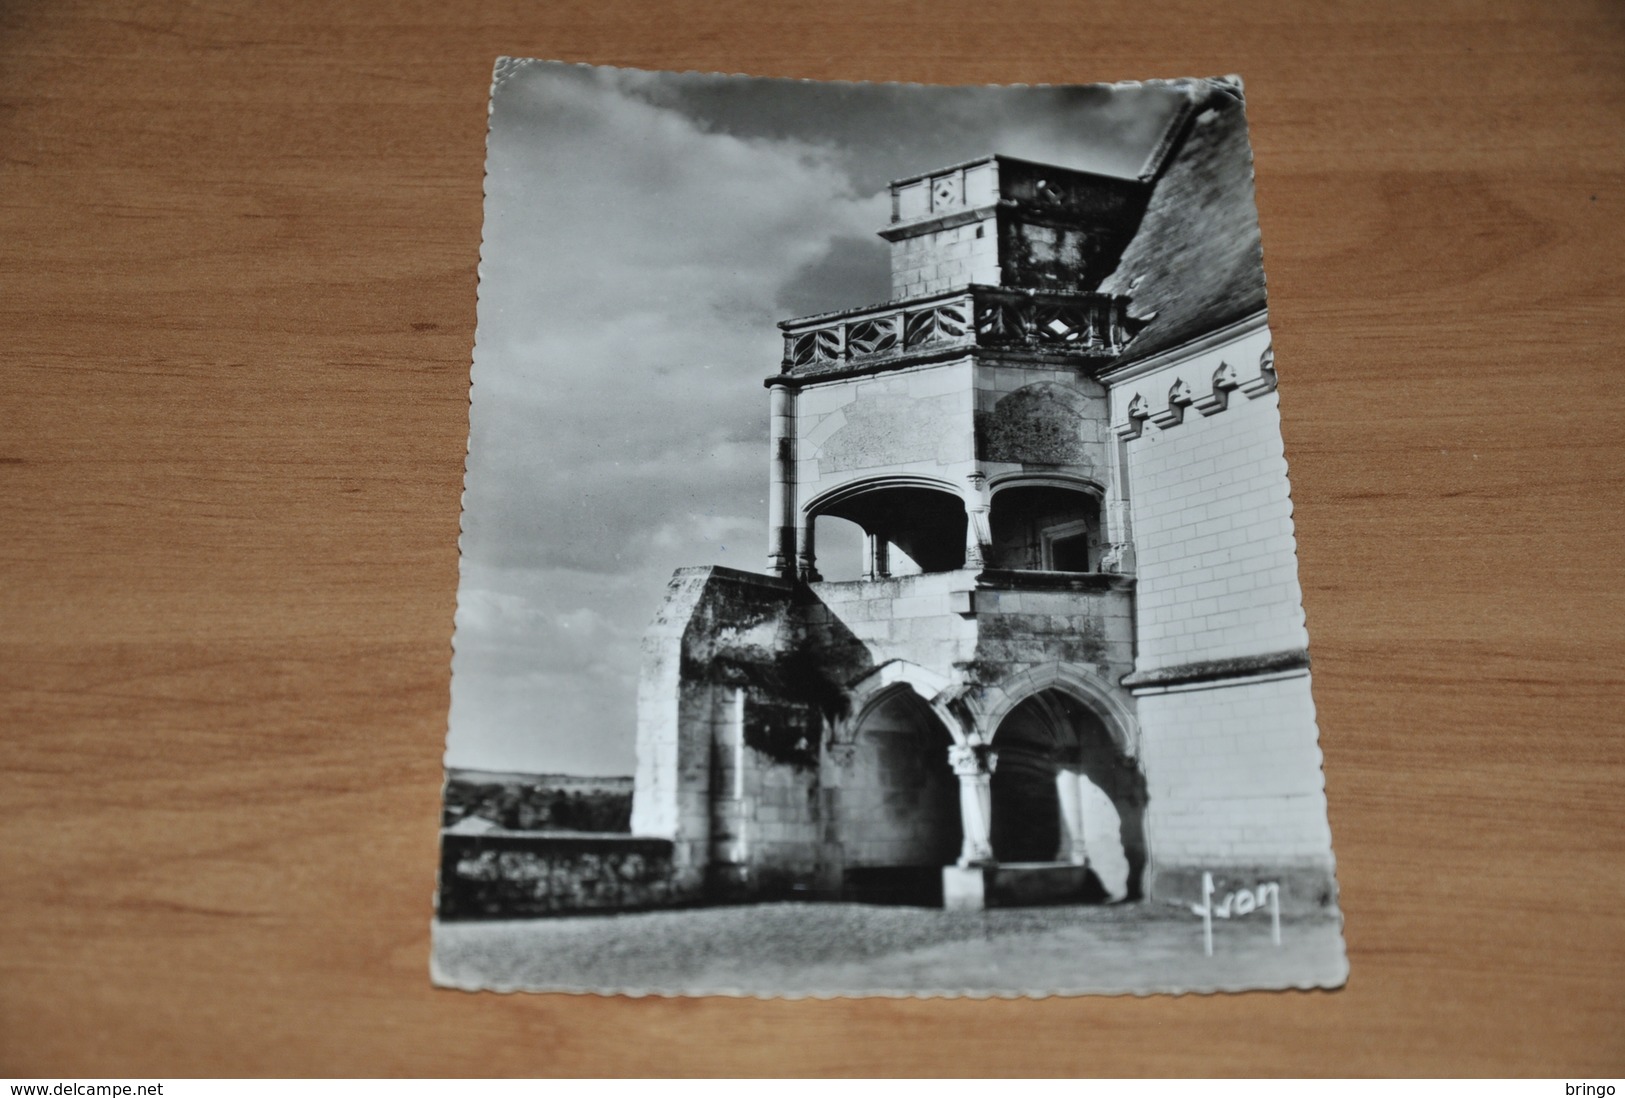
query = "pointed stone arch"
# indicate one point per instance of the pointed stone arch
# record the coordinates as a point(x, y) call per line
point(874, 688)
point(1116, 711)
point(1067, 783)
point(890, 796)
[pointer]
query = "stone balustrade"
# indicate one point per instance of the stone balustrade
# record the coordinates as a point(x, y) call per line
point(1081, 325)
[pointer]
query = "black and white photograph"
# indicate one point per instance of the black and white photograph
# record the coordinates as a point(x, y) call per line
point(877, 563)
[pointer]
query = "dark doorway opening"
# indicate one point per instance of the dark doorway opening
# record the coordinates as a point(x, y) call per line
point(1042, 528)
point(1062, 791)
point(896, 817)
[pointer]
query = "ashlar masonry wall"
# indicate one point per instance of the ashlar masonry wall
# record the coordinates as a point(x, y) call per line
point(946, 259)
point(1212, 518)
point(719, 638)
point(1036, 419)
point(1233, 775)
point(860, 625)
point(910, 421)
point(946, 234)
point(1229, 743)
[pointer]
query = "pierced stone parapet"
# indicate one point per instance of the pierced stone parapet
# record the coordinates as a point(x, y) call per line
point(1087, 326)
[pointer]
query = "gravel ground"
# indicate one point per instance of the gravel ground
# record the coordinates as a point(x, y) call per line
point(833, 949)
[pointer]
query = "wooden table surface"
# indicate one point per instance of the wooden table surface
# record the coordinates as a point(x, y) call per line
point(238, 245)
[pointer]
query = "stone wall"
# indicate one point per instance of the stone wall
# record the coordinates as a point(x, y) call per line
point(716, 631)
point(730, 717)
point(508, 875)
point(1040, 420)
point(1229, 741)
point(765, 827)
point(1235, 786)
point(1216, 558)
point(946, 259)
point(913, 421)
point(1009, 222)
point(1082, 620)
point(862, 624)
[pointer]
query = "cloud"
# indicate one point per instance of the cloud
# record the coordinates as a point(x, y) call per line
point(696, 529)
point(545, 669)
point(880, 132)
point(644, 233)
point(631, 278)
point(854, 270)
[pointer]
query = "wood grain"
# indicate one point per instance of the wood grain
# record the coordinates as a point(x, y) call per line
point(238, 246)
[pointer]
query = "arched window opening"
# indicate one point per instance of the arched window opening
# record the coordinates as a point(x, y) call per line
point(1042, 528)
point(1063, 792)
point(842, 549)
point(907, 531)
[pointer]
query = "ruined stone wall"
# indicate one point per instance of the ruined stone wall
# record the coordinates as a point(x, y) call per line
point(765, 824)
point(716, 631)
point(508, 875)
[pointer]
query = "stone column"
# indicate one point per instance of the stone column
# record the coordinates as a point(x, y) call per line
point(730, 839)
point(807, 552)
point(974, 767)
point(978, 536)
point(879, 557)
point(1118, 534)
point(781, 485)
point(1069, 788)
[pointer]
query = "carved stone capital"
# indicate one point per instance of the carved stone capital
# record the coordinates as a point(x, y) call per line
point(1118, 558)
point(972, 760)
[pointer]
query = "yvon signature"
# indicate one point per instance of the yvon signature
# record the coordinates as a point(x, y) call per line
point(1235, 904)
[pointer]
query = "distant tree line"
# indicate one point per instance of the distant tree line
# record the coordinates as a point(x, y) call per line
point(538, 806)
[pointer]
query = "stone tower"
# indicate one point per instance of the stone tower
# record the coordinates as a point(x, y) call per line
point(951, 723)
point(1020, 697)
point(995, 268)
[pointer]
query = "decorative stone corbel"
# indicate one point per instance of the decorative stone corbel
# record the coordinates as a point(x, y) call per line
point(1224, 380)
point(1265, 381)
point(1138, 413)
point(1118, 558)
point(1179, 398)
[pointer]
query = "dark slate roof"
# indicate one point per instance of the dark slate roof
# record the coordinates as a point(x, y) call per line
point(1196, 255)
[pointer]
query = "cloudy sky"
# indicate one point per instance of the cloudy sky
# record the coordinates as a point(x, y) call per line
point(643, 235)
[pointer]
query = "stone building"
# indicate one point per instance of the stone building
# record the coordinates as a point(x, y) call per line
point(1076, 664)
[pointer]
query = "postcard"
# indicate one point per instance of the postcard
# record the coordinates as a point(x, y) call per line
point(878, 572)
